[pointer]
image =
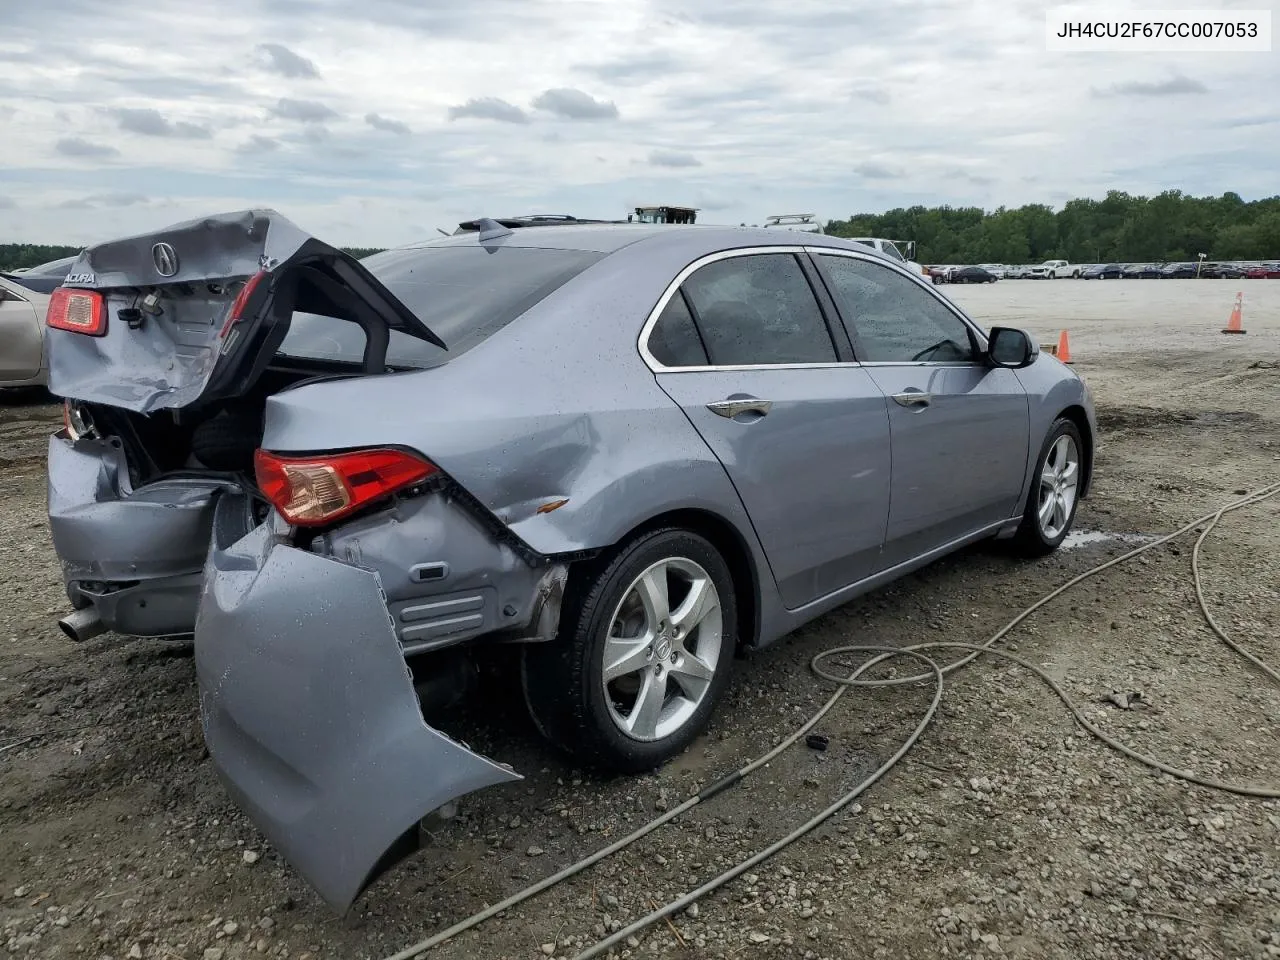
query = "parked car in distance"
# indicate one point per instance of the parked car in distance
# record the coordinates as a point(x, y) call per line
point(941, 273)
point(1272, 270)
point(1102, 271)
point(997, 270)
point(1055, 269)
point(1256, 271)
point(1221, 271)
point(1178, 271)
point(1141, 271)
point(343, 465)
point(44, 278)
point(972, 275)
point(22, 356)
point(1016, 272)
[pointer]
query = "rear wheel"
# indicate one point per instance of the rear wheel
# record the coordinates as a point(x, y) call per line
point(1055, 486)
point(645, 648)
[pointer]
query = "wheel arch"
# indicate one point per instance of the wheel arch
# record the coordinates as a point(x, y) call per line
point(731, 544)
point(1076, 414)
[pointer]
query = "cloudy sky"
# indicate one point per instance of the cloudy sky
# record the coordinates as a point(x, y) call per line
point(376, 122)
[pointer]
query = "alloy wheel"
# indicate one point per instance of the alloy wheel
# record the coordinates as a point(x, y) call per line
point(1059, 479)
point(665, 641)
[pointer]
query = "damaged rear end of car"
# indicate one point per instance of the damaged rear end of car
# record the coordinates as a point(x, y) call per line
point(307, 574)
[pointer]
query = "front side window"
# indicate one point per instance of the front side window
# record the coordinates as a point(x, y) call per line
point(758, 309)
point(895, 320)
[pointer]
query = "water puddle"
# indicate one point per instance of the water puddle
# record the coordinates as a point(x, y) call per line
point(1088, 538)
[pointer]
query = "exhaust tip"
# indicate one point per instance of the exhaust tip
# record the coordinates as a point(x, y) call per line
point(82, 625)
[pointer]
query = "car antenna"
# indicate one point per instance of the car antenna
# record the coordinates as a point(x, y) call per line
point(491, 229)
point(443, 233)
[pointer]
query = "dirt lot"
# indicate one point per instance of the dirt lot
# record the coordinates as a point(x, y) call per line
point(1006, 832)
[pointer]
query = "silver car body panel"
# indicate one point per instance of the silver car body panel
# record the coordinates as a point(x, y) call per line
point(556, 436)
point(309, 712)
point(136, 555)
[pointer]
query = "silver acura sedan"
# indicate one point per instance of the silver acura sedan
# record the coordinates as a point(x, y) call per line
point(631, 450)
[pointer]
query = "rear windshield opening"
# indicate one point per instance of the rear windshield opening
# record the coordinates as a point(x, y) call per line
point(464, 294)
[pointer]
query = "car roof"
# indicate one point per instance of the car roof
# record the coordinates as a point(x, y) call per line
point(607, 238)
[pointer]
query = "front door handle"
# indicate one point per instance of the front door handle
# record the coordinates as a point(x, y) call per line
point(735, 408)
point(913, 398)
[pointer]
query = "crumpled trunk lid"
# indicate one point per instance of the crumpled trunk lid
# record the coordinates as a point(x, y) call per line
point(196, 310)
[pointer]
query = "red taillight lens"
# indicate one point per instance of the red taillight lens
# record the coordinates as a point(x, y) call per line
point(310, 491)
point(241, 301)
point(80, 311)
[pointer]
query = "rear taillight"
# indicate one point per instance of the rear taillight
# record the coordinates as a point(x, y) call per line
point(241, 301)
point(80, 311)
point(310, 491)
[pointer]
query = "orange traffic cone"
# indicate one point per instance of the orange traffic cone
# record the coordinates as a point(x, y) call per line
point(1063, 352)
point(1233, 325)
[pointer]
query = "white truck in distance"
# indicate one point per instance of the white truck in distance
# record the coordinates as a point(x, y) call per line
point(809, 223)
point(890, 249)
point(1053, 269)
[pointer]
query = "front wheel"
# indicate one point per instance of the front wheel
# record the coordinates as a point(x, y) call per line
point(1051, 504)
point(645, 648)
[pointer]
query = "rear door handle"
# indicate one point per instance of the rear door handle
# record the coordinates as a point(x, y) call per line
point(735, 408)
point(913, 398)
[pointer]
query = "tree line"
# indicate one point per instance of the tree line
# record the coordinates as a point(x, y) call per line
point(14, 256)
point(1171, 226)
point(1120, 228)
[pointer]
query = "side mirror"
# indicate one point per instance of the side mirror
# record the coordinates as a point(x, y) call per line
point(1012, 348)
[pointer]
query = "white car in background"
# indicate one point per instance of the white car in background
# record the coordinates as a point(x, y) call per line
point(22, 358)
point(998, 270)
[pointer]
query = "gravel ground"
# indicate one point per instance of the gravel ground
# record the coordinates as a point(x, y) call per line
point(1007, 831)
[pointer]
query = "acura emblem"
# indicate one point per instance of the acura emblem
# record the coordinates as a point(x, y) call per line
point(165, 258)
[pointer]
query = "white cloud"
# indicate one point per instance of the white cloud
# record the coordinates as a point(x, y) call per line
point(379, 126)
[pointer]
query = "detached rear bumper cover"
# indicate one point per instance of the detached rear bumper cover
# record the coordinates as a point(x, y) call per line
point(310, 716)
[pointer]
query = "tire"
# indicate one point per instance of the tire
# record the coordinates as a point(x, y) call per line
point(1036, 537)
point(1053, 275)
point(564, 683)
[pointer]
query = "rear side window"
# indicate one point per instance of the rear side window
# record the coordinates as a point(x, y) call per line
point(465, 294)
point(675, 341)
point(758, 309)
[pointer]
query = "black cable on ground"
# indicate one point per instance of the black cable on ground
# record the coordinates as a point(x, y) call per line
point(844, 683)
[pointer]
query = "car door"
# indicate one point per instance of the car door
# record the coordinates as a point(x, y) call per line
point(959, 427)
point(741, 343)
point(21, 346)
